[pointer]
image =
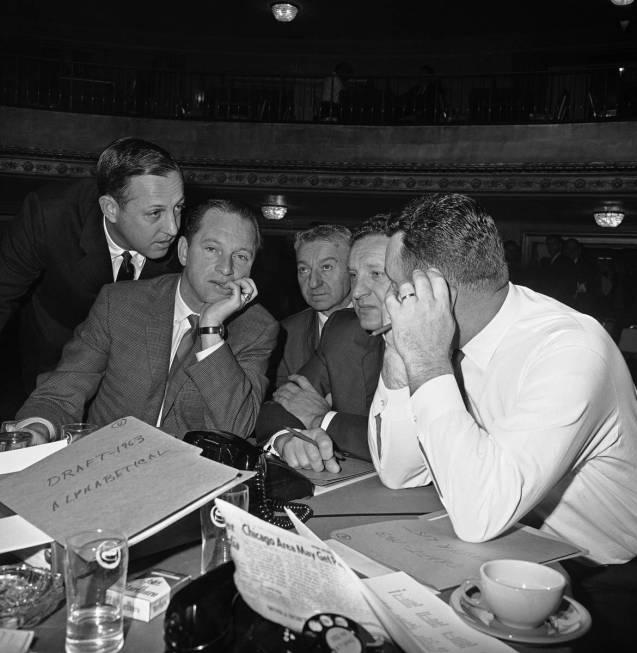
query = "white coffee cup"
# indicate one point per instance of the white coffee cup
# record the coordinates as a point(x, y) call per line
point(519, 593)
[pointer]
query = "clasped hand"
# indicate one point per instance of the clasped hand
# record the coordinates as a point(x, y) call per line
point(297, 453)
point(299, 397)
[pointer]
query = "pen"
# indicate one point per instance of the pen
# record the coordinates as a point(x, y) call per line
point(384, 329)
point(306, 438)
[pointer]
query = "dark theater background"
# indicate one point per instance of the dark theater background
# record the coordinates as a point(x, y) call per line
point(350, 109)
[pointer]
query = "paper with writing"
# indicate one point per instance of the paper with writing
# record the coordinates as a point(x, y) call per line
point(428, 622)
point(128, 476)
point(431, 552)
point(287, 578)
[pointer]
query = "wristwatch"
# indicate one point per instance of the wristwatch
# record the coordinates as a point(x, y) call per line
point(219, 330)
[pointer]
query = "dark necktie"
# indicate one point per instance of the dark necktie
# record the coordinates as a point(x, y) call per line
point(126, 270)
point(186, 344)
point(456, 359)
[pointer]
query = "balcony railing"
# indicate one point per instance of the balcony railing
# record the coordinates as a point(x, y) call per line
point(565, 96)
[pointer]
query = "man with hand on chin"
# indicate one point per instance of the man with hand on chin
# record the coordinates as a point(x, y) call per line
point(515, 405)
point(182, 351)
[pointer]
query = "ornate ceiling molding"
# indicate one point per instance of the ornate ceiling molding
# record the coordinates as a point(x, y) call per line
point(492, 178)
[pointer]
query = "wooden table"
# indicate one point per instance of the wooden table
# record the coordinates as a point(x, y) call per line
point(362, 502)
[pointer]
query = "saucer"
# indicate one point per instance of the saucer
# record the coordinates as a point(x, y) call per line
point(570, 621)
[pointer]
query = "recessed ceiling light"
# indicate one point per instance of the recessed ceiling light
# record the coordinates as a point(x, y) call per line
point(285, 11)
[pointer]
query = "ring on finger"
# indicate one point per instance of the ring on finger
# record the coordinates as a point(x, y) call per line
point(409, 294)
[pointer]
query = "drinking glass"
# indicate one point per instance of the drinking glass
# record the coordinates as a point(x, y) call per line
point(215, 544)
point(11, 440)
point(95, 566)
point(73, 432)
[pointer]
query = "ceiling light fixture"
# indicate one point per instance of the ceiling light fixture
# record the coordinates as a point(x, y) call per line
point(273, 212)
point(622, 3)
point(285, 12)
point(608, 218)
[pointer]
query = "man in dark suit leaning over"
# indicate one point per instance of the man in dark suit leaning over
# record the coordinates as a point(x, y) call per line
point(138, 352)
point(345, 368)
point(68, 241)
point(321, 269)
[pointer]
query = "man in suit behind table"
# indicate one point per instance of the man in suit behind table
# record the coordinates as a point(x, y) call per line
point(181, 351)
point(345, 366)
point(321, 268)
point(68, 241)
point(513, 404)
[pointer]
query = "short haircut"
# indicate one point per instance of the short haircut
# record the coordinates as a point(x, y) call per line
point(378, 225)
point(453, 233)
point(129, 157)
point(335, 233)
point(194, 216)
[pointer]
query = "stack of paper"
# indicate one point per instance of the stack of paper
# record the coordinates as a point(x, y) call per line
point(128, 476)
point(429, 550)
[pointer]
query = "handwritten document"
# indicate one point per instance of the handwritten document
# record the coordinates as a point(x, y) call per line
point(128, 475)
point(432, 553)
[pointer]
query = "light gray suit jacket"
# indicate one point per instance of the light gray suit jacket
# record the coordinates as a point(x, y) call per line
point(119, 359)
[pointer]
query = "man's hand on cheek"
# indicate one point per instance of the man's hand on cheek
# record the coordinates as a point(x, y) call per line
point(242, 292)
point(423, 325)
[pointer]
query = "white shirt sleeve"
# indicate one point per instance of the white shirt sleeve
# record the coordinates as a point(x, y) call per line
point(395, 449)
point(488, 480)
point(206, 352)
point(327, 418)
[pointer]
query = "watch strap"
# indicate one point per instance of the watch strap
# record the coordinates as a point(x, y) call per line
point(219, 330)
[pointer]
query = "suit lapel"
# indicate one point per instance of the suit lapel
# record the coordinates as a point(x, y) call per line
point(95, 265)
point(312, 342)
point(371, 362)
point(159, 331)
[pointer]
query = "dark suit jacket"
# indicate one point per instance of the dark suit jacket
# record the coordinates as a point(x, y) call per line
point(300, 336)
point(346, 364)
point(56, 243)
point(120, 356)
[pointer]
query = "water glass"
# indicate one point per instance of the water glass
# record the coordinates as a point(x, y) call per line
point(73, 432)
point(11, 440)
point(95, 567)
point(215, 543)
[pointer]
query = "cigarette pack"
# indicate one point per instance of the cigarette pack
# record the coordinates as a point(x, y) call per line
point(148, 594)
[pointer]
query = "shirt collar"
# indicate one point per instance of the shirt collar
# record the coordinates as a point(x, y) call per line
point(182, 310)
point(482, 346)
point(115, 250)
point(322, 317)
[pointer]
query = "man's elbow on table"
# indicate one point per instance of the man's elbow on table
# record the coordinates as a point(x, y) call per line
point(473, 528)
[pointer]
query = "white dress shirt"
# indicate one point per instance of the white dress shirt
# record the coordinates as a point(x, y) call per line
point(550, 428)
point(116, 252)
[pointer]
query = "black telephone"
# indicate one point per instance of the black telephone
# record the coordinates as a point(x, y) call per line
point(275, 483)
point(209, 616)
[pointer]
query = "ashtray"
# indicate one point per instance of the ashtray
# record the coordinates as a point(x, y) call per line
point(27, 595)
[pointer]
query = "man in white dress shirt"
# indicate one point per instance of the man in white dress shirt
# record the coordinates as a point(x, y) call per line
point(539, 420)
